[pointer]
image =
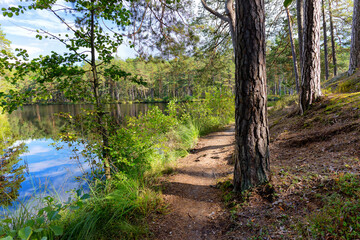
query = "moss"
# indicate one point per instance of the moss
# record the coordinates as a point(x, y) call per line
point(343, 83)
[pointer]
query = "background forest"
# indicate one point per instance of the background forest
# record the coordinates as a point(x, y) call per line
point(173, 71)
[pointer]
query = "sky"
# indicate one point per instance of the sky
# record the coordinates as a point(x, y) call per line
point(20, 31)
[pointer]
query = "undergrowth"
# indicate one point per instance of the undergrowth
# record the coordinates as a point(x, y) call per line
point(339, 217)
point(143, 149)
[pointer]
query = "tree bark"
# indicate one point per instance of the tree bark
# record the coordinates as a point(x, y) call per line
point(325, 42)
point(300, 20)
point(310, 77)
point(355, 40)
point(332, 39)
point(252, 164)
point(293, 51)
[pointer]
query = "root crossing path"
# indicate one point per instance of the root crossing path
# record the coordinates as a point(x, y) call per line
point(196, 210)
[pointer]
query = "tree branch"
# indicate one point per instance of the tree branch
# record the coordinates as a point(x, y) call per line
point(215, 13)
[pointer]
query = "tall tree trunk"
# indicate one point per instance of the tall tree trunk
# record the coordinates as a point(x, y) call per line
point(355, 40)
point(98, 106)
point(300, 20)
point(325, 42)
point(310, 77)
point(252, 164)
point(293, 51)
point(332, 39)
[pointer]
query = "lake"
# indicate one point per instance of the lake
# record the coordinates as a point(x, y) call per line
point(37, 166)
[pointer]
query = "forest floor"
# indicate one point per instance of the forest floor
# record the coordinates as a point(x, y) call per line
point(309, 154)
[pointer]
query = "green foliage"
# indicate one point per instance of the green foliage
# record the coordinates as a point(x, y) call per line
point(283, 102)
point(11, 173)
point(339, 218)
point(287, 3)
point(44, 224)
point(217, 109)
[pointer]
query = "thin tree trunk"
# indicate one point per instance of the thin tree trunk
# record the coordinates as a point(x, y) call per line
point(98, 107)
point(293, 51)
point(355, 40)
point(332, 39)
point(252, 164)
point(325, 42)
point(300, 20)
point(310, 77)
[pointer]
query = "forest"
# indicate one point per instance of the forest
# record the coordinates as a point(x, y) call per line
point(235, 120)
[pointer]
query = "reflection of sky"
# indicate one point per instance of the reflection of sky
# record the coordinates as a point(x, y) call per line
point(50, 170)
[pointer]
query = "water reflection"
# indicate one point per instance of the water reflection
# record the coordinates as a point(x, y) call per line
point(48, 170)
point(11, 172)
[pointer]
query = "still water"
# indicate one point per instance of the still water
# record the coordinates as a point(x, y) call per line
point(37, 166)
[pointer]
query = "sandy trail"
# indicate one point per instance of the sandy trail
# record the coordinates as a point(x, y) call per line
point(195, 207)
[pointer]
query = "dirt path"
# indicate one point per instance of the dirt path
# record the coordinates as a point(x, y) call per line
point(195, 207)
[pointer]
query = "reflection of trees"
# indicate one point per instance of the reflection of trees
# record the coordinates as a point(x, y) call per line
point(41, 121)
point(11, 173)
point(36, 122)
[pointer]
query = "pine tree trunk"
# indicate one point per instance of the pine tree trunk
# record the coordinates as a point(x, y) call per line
point(300, 20)
point(252, 164)
point(332, 39)
point(325, 42)
point(310, 77)
point(293, 51)
point(355, 39)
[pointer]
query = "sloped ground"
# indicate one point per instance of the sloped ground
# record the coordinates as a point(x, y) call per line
point(309, 154)
point(344, 83)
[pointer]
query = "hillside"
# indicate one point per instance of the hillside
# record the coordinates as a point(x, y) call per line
point(315, 186)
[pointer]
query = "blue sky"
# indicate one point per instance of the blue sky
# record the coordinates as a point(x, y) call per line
point(20, 31)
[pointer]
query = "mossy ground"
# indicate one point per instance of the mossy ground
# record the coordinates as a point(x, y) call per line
point(315, 163)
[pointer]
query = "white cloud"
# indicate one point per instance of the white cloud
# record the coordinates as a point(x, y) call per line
point(19, 31)
point(36, 150)
point(8, 1)
point(30, 49)
point(43, 165)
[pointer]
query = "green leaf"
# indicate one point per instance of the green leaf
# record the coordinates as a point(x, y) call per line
point(7, 238)
point(30, 223)
point(85, 196)
point(8, 220)
point(25, 233)
point(287, 3)
point(54, 215)
point(38, 230)
point(40, 220)
point(58, 230)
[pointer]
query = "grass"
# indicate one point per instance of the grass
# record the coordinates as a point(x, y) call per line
point(283, 102)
